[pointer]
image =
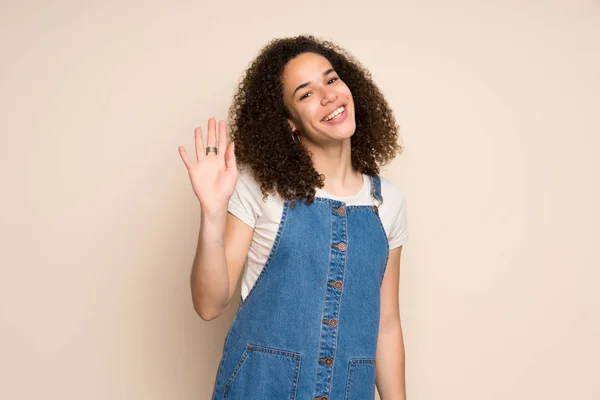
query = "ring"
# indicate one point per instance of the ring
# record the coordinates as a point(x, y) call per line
point(211, 149)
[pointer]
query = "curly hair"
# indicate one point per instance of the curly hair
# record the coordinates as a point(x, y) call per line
point(263, 137)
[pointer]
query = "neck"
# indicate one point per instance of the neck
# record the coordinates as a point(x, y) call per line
point(335, 163)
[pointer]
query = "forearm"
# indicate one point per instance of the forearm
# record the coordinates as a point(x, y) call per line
point(209, 278)
point(390, 366)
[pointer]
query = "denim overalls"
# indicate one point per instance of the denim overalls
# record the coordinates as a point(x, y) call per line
point(308, 328)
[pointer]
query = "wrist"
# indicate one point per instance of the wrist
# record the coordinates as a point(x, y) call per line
point(213, 213)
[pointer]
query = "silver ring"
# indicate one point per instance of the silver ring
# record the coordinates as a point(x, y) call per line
point(211, 149)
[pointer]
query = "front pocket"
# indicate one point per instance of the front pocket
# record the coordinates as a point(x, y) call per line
point(264, 373)
point(361, 379)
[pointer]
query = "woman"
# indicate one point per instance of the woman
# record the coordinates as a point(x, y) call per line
point(318, 230)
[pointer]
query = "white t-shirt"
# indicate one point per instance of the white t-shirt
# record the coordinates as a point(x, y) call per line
point(247, 204)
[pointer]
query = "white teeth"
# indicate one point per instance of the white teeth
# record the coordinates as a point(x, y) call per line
point(334, 114)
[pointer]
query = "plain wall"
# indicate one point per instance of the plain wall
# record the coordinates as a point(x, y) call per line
point(498, 106)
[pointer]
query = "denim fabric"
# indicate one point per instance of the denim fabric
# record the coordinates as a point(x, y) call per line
point(308, 328)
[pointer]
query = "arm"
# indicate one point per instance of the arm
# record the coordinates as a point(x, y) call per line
point(223, 244)
point(390, 377)
point(223, 241)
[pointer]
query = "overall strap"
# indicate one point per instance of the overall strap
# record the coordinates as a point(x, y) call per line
point(376, 189)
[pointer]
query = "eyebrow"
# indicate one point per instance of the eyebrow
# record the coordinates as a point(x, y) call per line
point(330, 70)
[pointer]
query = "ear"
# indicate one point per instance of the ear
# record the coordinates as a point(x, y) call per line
point(292, 125)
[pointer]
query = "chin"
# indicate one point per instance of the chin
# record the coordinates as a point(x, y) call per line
point(344, 135)
point(349, 131)
point(339, 132)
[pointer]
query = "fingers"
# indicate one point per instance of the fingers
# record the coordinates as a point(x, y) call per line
point(184, 156)
point(212, 135)
point(210, 142)
point(199, 144)
point(230, 161)
point(222, 138)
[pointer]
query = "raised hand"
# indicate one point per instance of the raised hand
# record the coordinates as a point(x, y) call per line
point(213, 176)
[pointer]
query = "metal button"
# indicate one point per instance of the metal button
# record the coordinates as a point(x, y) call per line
point(376, 210)
point(341, 211)
point(333, 322)
point(321, 398)
point(337, 285)
point(328, 361)
point(341, 246)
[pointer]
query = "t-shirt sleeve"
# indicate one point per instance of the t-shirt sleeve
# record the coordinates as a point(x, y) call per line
point(246, 201)
point(399, 230)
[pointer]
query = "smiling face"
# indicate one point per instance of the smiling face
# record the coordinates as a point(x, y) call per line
point(319, 102)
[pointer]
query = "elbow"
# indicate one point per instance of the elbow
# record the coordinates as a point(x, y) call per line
point(207, 314)
point(208, 308)
point(208, 317)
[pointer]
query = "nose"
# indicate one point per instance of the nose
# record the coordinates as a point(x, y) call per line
point(328, 95)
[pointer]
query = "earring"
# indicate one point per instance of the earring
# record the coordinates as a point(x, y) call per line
point(294, 136)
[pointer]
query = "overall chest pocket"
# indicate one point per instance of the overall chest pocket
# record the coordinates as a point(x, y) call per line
point(361, 379)
point(264, 373)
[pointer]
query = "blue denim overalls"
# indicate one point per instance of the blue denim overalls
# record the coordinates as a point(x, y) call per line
point(308, 327)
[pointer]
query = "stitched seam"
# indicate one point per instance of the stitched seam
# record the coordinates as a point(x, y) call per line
point(353, 363)
point(238, 366)
point(387, 249)
point(268, 350)
point(349, 384)
point(273, 350)
point(296, 376)
point(326, 280)
point(341, 296)
point(387, 242)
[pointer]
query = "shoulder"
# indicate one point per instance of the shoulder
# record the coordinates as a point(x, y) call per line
point(247, 184)
point(393, 213)
point(248, 189)
point(391, 193)
point(246, 176)
point(246, 201)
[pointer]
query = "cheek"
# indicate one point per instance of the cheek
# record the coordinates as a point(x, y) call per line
point(307, 114)
point(348, 92)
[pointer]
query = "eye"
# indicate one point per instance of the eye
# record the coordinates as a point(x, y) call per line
point(305, 95)
point(332, 80)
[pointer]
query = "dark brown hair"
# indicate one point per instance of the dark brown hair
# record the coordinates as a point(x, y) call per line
point(262, 135)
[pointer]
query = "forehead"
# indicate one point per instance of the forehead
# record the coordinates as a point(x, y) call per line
point(304, 68)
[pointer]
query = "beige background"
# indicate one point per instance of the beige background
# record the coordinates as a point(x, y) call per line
point(498, 103)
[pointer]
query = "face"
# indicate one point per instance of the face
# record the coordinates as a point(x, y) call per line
point(319, 102)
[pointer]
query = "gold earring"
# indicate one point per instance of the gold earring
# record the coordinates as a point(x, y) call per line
point(295, 133)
